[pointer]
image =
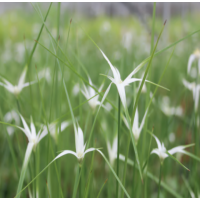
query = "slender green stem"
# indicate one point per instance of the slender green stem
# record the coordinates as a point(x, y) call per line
point(159, 179)
point(125, 165)
point(80, 182)
point(102, 188)
point(118, 144)
point(145, 183)
point(148, 85)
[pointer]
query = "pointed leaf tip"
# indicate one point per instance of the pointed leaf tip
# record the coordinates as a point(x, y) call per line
point(70, 20)
point(58, 37)
point(165, 22)
point(105, 181)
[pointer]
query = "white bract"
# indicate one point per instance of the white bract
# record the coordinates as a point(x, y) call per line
point(112, 150)
point(9, 117)
point(54, 129)
point(45, 73)
point(16, 89)
point(33, 137)
point(192, 58)
point(136, 129)
point(168, 110)
point(195, 91)
point(80, 146)
point(119, 83)
point(161, 150)
point(89, 92)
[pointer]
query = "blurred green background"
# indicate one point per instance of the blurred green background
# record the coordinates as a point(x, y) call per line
point(123, 32)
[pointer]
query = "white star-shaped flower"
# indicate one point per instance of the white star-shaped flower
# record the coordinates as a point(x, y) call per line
point(16, 89)
point(112, 150)
point(80, 146)
point(136, 129)
point(9, 117)
point(192, 58)
point(161, 150)
point(195, 91)
point(116, 79)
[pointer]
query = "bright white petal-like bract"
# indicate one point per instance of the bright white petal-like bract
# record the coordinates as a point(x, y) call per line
point(22, 78)
point(122, 94)
point(115, 73)
point(190, 61)
point(65, 152)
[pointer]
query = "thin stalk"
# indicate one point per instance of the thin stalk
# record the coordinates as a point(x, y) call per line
point(125, 165)
point(118, 143)
point(77, 178)
point(34, 174)
point(102, 188)
point(89, 178)
point(80, 182)
point(48, 191)
point(145, 184)
point(37, 170)
point(159, 179)
point(148, 85)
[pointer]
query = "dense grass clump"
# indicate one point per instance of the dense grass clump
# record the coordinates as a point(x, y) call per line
point(98, 107)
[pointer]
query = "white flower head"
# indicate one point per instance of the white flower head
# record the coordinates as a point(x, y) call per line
point(136, 129)
point(54, 129)
point(195, 88)
point(80, 146)
point(45, 73)
point(89, 92)
point(9, 117)
point(161, 150)
point(170, 110)
point(112, 150)
point(118, 82)
point(16, 89)
point(31, 134)
point(192, 58)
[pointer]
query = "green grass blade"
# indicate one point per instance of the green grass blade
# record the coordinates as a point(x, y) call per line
point(114, 173)
point(24, 168)
point(151, 176)
point(192, 155)
point(38, 37)
point(102, 188)
point(176, 160)
point(145, 75)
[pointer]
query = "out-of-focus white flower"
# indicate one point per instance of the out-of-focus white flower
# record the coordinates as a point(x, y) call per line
point(112, 150)
point(161, 150)
point(127, 40)
point(195, 88)
point(118, 82)
point(89, 92)
point(45, 73)
point(136, 129)
point(75, 89)
point(172, 137)
point(54, 129)
point(167, 110)
point(80, 146)
point(192, 58)
point(17, 88)
point(19, 52)
point(105, 27)
point(9, 117)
